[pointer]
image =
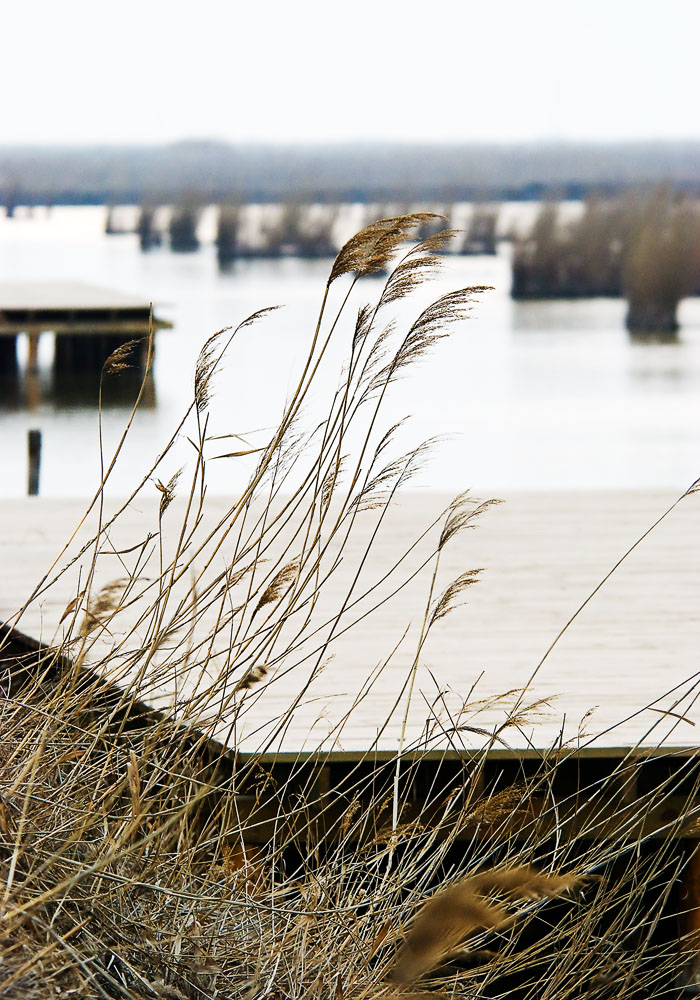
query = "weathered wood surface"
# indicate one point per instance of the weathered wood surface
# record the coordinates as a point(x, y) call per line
point(29, 296)
point(543, 554)
point(69, 307)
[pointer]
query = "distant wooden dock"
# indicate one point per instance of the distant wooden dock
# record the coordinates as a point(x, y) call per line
point(89, 322)
point(624, 673)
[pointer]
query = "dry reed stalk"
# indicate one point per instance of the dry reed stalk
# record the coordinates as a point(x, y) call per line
point(141, 859)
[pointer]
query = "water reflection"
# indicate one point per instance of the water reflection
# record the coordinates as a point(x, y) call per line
point(646, 337)
point(566, 315)
point(663, 364)
point(560, 315)
point(46, 389)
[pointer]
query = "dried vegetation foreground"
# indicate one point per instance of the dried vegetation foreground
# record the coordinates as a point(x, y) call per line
point(144, 856)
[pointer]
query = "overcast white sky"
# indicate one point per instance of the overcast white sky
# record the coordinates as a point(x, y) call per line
point(310, 70)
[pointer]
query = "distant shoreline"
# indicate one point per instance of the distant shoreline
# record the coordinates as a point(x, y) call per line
point(355, 172)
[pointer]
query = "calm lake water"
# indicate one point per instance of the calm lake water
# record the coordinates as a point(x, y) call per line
point(536, 395)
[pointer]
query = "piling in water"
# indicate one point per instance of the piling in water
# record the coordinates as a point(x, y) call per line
point(8, 353)
point(481, 232)
point(227, 235)
point(183, 229)
point(34, 461)
point(149, 236)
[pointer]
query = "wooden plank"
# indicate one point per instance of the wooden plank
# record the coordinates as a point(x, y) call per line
point(28, 296)
point(543, 553)
point(71, 307)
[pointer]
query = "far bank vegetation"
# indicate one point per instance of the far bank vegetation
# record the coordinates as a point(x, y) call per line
point(645, 248)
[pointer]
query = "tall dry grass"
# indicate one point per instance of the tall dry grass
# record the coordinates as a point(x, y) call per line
point(144, 854)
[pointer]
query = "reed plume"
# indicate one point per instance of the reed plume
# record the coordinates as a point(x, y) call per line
point(154, 840)
point(452, 914)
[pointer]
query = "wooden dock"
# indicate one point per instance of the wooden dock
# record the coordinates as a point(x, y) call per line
point(89, 322)
point(629, 659)
point(568, 785)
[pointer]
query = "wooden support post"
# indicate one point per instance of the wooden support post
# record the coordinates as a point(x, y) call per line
point(8, 353)
point(32, 387)
point(34, 449)
point(33, 353)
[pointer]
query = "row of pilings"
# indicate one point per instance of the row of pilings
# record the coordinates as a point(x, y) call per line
point(293, 229)
point(641, 246)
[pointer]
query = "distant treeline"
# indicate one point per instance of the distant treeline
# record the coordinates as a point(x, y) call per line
point(218, 172)
point(645, 248)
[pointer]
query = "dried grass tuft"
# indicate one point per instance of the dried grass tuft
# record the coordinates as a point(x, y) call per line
point(102, 605)
point(118, 360)
point(372, 249)
point(447, 918)
point(450, 598)
point(167, 492)
point(207, 362)
point(152, 842)
point(279, 586)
